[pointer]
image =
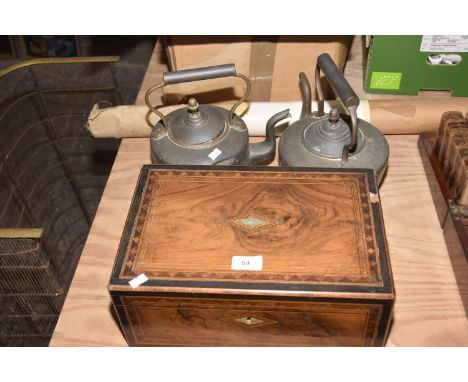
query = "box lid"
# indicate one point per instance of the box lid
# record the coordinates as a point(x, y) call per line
point(243, 229)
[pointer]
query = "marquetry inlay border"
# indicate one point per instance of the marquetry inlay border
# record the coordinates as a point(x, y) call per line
point(369, 255)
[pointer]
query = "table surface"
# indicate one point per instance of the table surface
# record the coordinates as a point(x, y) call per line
point(428, 309)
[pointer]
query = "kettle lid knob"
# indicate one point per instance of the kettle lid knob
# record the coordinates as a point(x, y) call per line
point(334, 116)
point(193, 107)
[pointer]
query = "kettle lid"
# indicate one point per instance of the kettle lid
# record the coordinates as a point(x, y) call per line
point(197, 124)
point(328, 136)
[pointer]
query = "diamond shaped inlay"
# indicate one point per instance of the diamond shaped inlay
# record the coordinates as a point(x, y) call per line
point(252, 322)
point(247, 321)
point(251, 222)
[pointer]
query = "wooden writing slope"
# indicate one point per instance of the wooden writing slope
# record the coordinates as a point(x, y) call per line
point(324, 276)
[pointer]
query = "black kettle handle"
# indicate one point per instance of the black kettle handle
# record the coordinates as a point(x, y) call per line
point(336, 80)
point(198, 74)
point(343, 90)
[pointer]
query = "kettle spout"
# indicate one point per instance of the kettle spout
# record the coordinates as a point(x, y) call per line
point(264, 152)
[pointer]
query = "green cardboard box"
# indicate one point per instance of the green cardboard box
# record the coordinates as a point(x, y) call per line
point(410, 64)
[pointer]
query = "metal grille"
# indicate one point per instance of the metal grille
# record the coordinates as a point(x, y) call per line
point(52, 174)
point(23, 252)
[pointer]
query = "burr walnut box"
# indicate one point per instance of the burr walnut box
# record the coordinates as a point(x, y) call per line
point(250, 256)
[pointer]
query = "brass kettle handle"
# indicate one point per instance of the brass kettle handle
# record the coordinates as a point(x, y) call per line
point(343, 90)
point(198, 74)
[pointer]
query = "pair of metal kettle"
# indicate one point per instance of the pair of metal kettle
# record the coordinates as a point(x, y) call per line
point(208, 134)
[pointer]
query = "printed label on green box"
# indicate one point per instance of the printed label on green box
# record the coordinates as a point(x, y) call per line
point(385, 80)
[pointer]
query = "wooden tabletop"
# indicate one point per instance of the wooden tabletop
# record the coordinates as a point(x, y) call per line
point(428, 309)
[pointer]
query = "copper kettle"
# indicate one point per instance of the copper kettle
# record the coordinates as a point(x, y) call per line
point(332, 140)
point(208, 134)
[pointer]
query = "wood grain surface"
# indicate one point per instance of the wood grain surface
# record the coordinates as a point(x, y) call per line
point(428, 309)
point(317, 228)
point(178, 321)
